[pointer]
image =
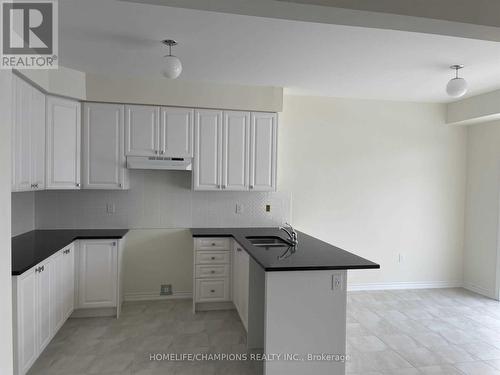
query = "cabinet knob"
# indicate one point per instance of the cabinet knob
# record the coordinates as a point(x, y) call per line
point(32, 186)
point(212, 291)
point(223, 186)
point(213, 243)
point(251, 186)
point(213, 258)
point(114, 243)
point(212, 271)
point(238, 249)
point(156, 152)
point(162, 152)
point(77, 184)
point(37, 269)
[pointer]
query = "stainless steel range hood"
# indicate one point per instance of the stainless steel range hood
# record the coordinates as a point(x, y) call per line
point(154, 162)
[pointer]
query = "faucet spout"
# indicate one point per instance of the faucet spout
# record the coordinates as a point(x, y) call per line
point(292, 234)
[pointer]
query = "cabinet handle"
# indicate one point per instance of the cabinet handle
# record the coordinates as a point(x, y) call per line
point(32, 186)
point(120, 186)
point(218, 186)
point(37, 269)
point(223, 186)
point(36, 186)
point(156, 152)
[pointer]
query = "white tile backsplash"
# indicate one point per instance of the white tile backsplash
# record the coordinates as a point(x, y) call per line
point(158, 199)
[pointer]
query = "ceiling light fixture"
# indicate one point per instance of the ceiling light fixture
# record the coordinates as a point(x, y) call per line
point(173, 66)
point(457, 86)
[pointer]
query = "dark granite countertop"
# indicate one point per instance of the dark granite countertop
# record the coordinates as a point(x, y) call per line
point(309, 255)
point(33, 247)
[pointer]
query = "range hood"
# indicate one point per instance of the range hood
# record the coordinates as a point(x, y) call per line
point(154, 162)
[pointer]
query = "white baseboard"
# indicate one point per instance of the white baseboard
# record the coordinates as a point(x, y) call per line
point(154, 296)
point(352, 287)
point(480, 290)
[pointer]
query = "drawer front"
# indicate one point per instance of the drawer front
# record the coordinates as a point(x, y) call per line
point(209, 243)
point(219, 271)
point(212, 257)
point(212, 290)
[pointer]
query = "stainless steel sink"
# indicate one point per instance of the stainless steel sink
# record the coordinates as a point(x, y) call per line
point(268, 241)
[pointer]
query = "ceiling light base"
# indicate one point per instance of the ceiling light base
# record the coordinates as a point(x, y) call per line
point(169, 42)
point(457, 66)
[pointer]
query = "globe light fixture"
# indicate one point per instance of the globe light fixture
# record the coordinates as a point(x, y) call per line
point(457, 86)
point(172, 65)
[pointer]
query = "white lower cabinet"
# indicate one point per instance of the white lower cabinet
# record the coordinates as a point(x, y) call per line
point(97, 274)
point(39, 308)
point(221, 274)
point(241, 273)
point(212, 270)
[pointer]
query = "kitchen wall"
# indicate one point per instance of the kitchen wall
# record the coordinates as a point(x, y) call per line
point(158, 208)
point(481, 266)
point(23, 212)
point(6, 366)
point(380, 179)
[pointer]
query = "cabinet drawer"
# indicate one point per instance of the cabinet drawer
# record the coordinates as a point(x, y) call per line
point(212, 290)
point(212, 243)
point(221, 270)
point(212, 257)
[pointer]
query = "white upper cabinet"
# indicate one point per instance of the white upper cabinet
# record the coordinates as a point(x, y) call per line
point(142, 129)
point(176, 132)
point(208, 150)
point(235, 150)
point(63, 143)
point(28, 137)
point(263, 138)
point(103, 165)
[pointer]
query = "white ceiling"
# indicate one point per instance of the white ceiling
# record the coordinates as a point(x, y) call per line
point(120, 38)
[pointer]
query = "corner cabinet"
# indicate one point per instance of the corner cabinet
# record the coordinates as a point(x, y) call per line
point(104, 164)
point(28, 137)
point(235, 151)
point(63, 144)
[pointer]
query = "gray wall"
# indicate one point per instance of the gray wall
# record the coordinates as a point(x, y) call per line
point(23, 212)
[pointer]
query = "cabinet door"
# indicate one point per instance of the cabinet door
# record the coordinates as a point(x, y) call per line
point(244, 275)
point(236, 280)
point(56, 287)
point(37, 120)
point(21, 136)
point(207, 160)
point(63, 143)
point(27, 347)
point(68, 278)
point(235, 150)
point(97, 278)
point(45, 304)
point(263, 152)
point(141, 130)
point(103, 146)
point(176, 132)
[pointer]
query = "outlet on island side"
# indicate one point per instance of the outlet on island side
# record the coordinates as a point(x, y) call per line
point(165, 289)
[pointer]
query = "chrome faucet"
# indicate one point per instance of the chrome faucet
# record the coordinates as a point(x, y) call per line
point(292, 234)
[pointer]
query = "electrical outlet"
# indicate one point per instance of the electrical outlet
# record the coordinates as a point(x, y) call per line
point(337, 282)
point(268, 208)
point(165, 289)
point(239, 208)
point(110, 208)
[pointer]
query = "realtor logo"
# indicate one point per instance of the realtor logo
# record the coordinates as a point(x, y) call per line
point(29, 37)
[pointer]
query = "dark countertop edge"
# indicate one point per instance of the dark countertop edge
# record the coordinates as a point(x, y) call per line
point(288, 269)
point(71, 239)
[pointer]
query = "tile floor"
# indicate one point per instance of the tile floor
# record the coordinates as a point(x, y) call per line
point(438, 331)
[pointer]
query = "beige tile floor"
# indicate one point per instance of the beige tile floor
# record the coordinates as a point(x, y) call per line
point(438, 331)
